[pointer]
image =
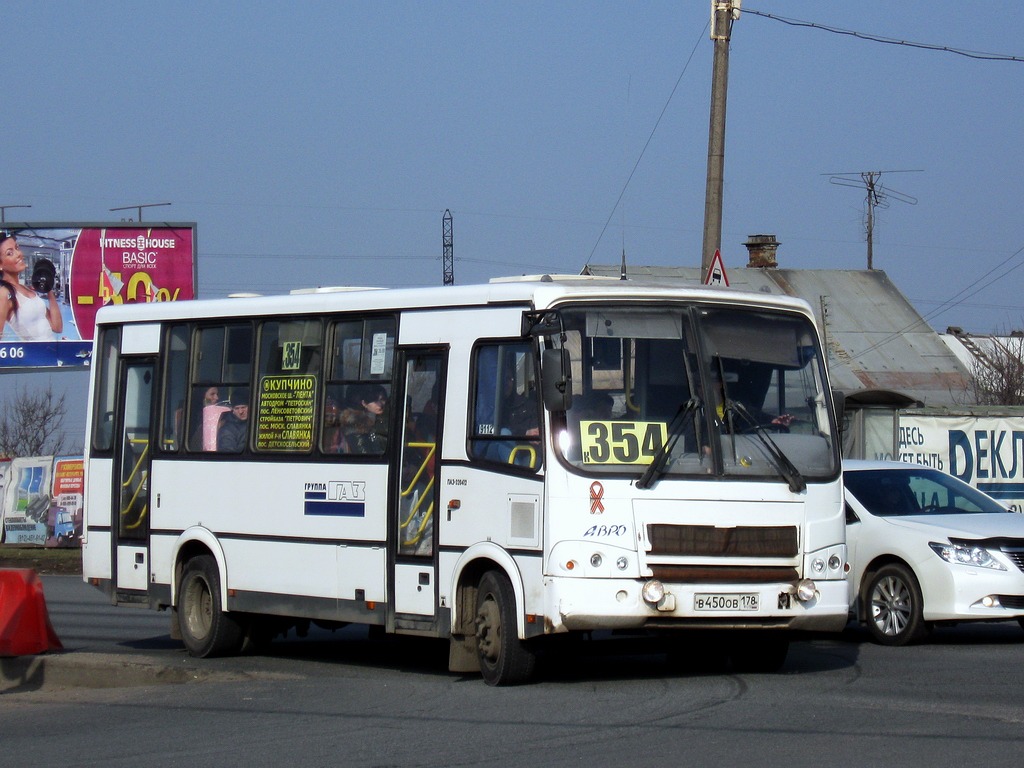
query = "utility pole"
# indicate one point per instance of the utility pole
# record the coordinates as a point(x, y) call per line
point(448, 248)
point(723, 14)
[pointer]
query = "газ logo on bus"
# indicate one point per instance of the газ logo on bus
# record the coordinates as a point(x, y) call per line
point(345, 498)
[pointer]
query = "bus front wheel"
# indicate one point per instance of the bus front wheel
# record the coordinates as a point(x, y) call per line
point(205, 628)
point(504, 658)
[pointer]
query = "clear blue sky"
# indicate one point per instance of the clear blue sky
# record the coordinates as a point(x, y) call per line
point(320, 143)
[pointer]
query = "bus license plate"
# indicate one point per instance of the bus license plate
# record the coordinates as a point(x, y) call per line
point(725, 601)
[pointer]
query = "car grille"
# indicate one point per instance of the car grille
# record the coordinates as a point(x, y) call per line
point(1015, 553)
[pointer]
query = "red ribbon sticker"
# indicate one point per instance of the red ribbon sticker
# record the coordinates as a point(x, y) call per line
point(596, 494)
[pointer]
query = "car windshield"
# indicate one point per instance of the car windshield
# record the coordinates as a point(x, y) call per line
point(679, 389)
point(906, 492)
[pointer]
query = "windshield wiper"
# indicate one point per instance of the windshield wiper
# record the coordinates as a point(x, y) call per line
point(779, 459)
point(657, 465)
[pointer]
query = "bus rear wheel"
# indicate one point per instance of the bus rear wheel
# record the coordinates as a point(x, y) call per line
point(205, 628)
point(504, 658)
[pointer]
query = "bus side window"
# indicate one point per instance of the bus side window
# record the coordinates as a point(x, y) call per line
point(358, 413)
point(506, 406)
point(175, 388)
point(221, 369)
point(289, 385)
point(105, 399)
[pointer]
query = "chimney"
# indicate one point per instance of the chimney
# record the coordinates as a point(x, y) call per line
point(761, 251)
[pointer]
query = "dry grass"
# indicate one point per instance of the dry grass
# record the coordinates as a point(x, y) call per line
point(40, 559)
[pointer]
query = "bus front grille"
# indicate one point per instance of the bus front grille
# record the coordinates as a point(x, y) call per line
point(723, 574)
point(710, 541)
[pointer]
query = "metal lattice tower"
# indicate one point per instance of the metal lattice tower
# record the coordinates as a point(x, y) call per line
point(449, 257)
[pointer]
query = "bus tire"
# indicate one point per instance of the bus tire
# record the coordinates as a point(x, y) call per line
point(504, 658)
point(206, 630)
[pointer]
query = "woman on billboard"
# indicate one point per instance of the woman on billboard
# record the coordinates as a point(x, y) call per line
point(33, 314)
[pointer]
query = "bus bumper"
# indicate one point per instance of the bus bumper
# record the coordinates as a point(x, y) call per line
point(593, 604)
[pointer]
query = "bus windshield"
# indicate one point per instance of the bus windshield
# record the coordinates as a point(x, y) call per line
point(696, 390)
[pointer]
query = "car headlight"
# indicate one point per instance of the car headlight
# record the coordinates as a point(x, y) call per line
point(961, 554)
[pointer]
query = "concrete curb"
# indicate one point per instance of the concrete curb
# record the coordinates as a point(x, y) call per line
point(23, 674)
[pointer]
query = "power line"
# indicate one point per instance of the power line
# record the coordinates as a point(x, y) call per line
point(963, 291)
point(950, 302)
point(887, 40)
point(646, 144)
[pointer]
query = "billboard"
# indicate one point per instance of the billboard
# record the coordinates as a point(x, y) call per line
point(27, 500)
point(41, 499)
point(984, 451)
point(92, 265)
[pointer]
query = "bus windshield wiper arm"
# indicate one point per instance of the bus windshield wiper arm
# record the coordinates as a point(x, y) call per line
point(779, 459)
point(675, 431)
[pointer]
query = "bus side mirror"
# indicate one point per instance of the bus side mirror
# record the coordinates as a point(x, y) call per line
point(556, 378)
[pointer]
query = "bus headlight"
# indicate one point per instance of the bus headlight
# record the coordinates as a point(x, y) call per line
point(806, 590)
point(653, 592)
point(826, 564)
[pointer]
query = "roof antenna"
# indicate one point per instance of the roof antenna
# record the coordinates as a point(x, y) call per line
point(622, 267)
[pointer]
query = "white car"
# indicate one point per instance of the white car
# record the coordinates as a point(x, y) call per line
point(925, 547)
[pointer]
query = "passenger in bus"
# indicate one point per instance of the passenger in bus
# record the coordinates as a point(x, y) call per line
point(333, 438)
point(364, 421)
point(747, 417)
point(234, 425)
point(211, 410)
point(211, 396)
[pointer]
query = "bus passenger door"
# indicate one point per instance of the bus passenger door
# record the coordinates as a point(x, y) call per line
point(416, 493)
point(132, 451)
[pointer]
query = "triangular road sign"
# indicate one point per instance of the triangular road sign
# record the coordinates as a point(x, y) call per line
point(716, 272)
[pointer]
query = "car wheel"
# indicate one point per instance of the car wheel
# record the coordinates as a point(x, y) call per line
point(894, 605)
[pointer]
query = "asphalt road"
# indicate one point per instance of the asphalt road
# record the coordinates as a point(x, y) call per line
point(342, 700)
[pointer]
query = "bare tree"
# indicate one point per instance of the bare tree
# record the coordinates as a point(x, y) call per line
point(999, 373)
point(32, 423)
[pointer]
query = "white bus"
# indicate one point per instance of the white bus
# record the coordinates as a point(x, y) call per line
point(489, 464)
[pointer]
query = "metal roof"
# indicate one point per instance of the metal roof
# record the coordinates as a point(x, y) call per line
point(876, 340)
